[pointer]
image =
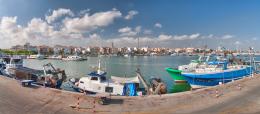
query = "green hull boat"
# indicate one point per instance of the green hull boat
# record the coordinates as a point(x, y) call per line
point(175, 74)
point(180, 84)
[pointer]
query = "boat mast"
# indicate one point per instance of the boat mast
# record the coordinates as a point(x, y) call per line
point(251, 54)
point(99, 67)
point(138, 44)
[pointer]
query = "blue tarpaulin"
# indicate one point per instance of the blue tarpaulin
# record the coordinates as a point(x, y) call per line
point(129, 89)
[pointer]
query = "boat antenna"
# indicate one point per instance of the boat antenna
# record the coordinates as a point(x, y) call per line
point(99, 67)
point(251, 54)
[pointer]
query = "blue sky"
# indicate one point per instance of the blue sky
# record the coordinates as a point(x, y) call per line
point(158, 23)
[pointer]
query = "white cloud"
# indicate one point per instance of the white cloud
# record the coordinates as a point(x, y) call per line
point(83, 12)
point(72, 30)
point(57, 14)
point(254, 38)
point(131, 14)
point(91, 22)
point(164, 37)
point(78, 31)
point(37, 25)
point(227, 36)
point(194, 36)
point(125, 29)
point(146, 31)
point(158, 25)
point(138, 29)
point(237, 42)
point(128, 31)
point(10, 32)
point(159, 40)
point(179, 37)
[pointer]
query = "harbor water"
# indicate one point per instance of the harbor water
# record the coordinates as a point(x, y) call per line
point(150, 66)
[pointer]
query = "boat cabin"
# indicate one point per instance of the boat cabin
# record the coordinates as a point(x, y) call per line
point(13, 62)
point(94, 76)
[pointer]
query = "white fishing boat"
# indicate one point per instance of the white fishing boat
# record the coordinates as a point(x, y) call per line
point(56, 57)
point(2, 65)
point(31, 57)
point(38, 56)
point(11, 62)
point(126, 55)
point(73, 58)
point(153, 54)
point(97, 82)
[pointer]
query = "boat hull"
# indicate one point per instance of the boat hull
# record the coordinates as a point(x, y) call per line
point(175, 74)
point(180, 87)
point(213, 79)
point(180, 84)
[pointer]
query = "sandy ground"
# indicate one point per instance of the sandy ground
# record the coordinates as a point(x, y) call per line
point(231, 99)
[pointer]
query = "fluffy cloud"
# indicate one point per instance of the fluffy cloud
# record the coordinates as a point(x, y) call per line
point(131, 14)
point(91, 22)
point(162, 38)
point(158, 25)
point(10, 32)
point(195, 39)
point(79, 30)
point(127, 31)
point(8, 25)
point(58, 13)
point(39, 31)
point(179, 37)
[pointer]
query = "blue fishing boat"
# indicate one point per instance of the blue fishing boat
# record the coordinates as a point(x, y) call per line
point(211, 73)
point(203, 77)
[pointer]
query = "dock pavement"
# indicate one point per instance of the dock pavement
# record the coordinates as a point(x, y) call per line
point(241, 96)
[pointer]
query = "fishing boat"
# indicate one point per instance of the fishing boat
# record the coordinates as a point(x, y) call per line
point(209, 72)
point(175, 73)
point(11, 63)
point(13, 68)
point(55, 57)
point(74, 58)
point(97, 82)
point(2, 65)
point(52, 77)
point(38, 56)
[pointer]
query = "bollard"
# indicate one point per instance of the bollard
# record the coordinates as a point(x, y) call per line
point(217, 93)
point(239, 86)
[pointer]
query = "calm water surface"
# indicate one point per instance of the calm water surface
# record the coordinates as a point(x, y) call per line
point(151, 66)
